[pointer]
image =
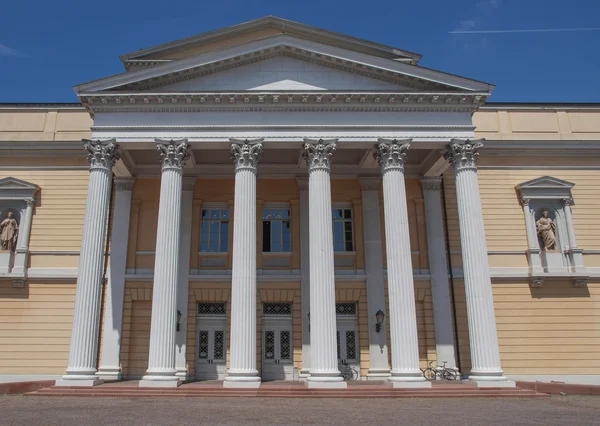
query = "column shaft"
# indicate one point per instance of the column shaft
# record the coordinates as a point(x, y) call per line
point(161, 359)
point(83, 353)
point(485, 352)
point(242, 365)
point(324, 371)
point(401, 293)
point(22, 249)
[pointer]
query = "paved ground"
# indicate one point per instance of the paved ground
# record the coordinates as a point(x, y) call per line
point(63, 411)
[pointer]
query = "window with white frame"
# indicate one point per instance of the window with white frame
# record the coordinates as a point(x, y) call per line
point(343, 229)
point(277, 231)
point(214, 230)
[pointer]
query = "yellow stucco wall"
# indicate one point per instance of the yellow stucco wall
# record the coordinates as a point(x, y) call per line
point(35, 326)
point(531, 123)
point(61, 124)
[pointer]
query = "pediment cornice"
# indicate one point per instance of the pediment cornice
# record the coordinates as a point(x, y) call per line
point(348, 61)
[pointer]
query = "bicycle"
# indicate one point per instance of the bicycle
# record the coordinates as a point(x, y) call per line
point(445, 373)
point(348, 372)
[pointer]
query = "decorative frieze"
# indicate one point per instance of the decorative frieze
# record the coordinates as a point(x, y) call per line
point(101, 154)
point(245, 153)
point(463, 154)
point(173, 154)
point(318, 154)
point(391, 154)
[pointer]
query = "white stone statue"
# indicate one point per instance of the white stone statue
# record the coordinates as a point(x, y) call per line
point(546, 229)
point(10, 232)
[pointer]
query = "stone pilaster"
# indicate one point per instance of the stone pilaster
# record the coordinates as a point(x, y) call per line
point(184, 276)
point(110, 369)
point(305, 275)
point(324, 371)
point(438, 268)
point(379, 367)
point(242, 365)
point(483, 337)
point(391, 155)
point(81, 370)
point(161, 360)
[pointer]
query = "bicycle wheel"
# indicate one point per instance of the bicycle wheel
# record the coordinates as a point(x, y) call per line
point(355, 374)
point(429, 373)
point(449, 374)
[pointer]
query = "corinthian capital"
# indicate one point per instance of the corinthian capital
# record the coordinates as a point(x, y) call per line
point(463, 154)
point(245, 153)
point(391, 154)
point(101, 154)
point(317, 154)
point(173, 153)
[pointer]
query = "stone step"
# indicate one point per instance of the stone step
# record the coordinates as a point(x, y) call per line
point(296, 392)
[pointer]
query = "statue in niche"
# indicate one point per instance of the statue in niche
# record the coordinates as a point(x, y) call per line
point(10, 232)
point(546, 230)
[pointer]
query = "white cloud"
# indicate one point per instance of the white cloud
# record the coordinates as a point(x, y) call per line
point(8, 51)
point(484, 9)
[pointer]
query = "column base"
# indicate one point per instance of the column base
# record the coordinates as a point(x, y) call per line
point(311, 384)
point(182, 375)
point(149, 382)
point(401, 384)
point(304, 374)
point(109, 373)
point(84, 383)
point(241, 384)
point(491, 381)
point(242, 379)
point(378, 374)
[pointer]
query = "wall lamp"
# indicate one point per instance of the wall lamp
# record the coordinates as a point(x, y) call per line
point(178, 319)
point(380, 315)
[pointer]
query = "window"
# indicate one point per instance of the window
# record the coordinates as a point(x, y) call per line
point(276, 230)
point(214, 230)
point(343, 234)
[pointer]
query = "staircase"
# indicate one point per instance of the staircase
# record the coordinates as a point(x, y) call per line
point(359, 389)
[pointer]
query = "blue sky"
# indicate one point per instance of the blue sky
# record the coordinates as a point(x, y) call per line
point(47, 47)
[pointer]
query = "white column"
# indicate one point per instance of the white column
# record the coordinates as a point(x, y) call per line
point(184, 276)
point(391, 155)
point(83, 354)
point(305, 276)
point(242, 364)
point(324, 371)
point(22, 249)
point(378, 349)
point(483, 337)
point(110, 368)
point(161, 361)
point(438, 268)
point(576, 252)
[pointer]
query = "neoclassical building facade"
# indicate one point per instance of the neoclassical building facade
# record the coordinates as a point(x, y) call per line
point(273, 201)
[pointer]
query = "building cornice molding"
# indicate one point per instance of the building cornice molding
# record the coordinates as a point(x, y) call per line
point(323, 101)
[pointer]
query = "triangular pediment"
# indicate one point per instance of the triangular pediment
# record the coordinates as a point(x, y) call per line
point(282, 73)
point(346, 62)
point(546, 182)
point(13, 188)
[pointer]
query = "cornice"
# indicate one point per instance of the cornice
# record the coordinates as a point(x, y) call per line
point(420, 127)
point(283, 102)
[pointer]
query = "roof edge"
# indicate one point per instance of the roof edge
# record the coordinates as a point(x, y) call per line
point(273, 20)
